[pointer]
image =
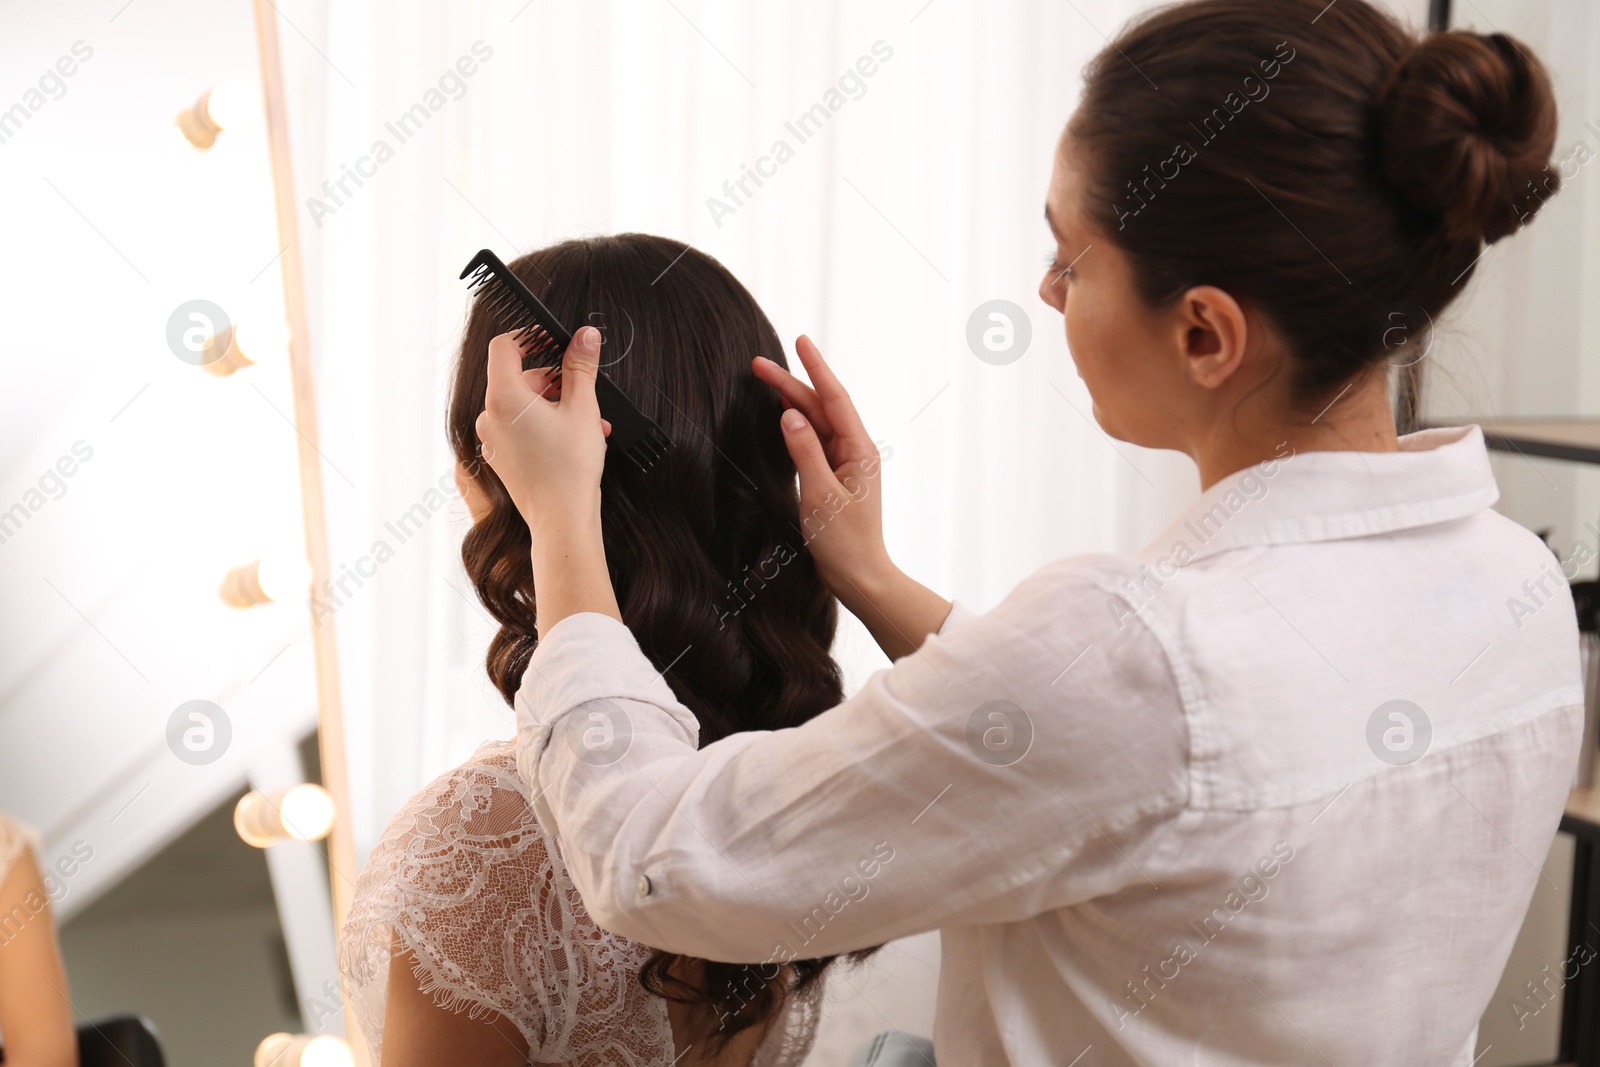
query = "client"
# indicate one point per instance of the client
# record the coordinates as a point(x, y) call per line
point(466, 941)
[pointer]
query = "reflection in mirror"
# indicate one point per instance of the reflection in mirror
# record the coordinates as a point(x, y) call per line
point(164, 709)
point(152, 941)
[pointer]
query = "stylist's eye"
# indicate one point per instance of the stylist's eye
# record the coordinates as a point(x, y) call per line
point(1058, 270)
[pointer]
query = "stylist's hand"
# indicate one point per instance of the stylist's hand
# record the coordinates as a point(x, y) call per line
point(550, 451)
point(841, 511)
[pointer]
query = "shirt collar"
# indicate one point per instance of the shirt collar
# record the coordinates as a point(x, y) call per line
point(1437, 475)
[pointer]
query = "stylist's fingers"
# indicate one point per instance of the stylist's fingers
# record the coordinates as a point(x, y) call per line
point(508, 392)
point(796, 393)
point(580, 365)
point(816, 473)
point(851, 440)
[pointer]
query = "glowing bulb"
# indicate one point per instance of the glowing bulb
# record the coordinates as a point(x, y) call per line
point(271, 579)
point(284, 578)
point(307, 812)
point(232, 103)
point(303, 1050)
point(325, 1050)
point(247, 343)
point(228, 105)
point(304, 812)
point(262, 339)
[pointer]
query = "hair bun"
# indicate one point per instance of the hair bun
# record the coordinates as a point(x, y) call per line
point(1465, 122)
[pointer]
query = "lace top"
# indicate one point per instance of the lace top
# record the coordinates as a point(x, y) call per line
point(467, 880)
point(15, 840)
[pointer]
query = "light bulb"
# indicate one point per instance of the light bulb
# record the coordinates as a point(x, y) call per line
point(278, 578)
point(228, 105)
point(284, 578)
point(307, 812)
point(304, 812)
point(244, 344)
point(303, 1050)
point(325, 1050)
point(262, 340)
point(232, 103)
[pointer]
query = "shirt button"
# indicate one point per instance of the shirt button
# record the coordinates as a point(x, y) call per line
point(644, 885)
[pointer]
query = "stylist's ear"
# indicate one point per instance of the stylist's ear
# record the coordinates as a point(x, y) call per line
point(1214, 330)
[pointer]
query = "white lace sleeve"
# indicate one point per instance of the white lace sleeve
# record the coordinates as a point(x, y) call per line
point(15, 840)
point(467, 881)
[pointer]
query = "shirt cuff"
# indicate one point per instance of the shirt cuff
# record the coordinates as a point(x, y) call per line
point(587, 657)
point(958, 614)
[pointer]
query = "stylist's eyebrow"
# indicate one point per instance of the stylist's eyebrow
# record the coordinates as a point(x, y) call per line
point(1053, 227)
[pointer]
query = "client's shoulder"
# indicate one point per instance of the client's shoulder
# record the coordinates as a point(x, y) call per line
point(467, 889)
point(481, 808)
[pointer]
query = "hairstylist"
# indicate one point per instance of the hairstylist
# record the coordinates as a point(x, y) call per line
point(1208, 835)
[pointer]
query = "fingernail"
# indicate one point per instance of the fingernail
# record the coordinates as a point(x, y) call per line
point(590, 340)
point(793, 420)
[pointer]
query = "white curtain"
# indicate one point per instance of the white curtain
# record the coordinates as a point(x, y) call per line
point(880, 231)
point(915, 200)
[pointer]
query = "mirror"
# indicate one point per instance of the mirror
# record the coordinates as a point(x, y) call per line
point(169, 709)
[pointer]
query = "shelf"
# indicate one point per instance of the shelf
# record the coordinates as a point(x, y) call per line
point(1583, 807)
point(1576, 440)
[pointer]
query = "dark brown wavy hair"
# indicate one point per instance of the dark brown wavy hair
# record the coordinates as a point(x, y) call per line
point(705, 550)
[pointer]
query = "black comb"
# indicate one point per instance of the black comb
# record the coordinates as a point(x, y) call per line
point(543, 339)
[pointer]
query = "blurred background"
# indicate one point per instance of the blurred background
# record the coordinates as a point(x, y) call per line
point(159, 663)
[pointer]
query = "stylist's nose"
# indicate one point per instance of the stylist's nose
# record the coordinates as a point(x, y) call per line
point(1050, 291)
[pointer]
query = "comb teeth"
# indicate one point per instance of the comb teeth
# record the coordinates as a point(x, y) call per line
point(541, 345)
point(649, 448)
point(543, 340)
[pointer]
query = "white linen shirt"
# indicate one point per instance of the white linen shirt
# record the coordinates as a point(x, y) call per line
point(1162, 809)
